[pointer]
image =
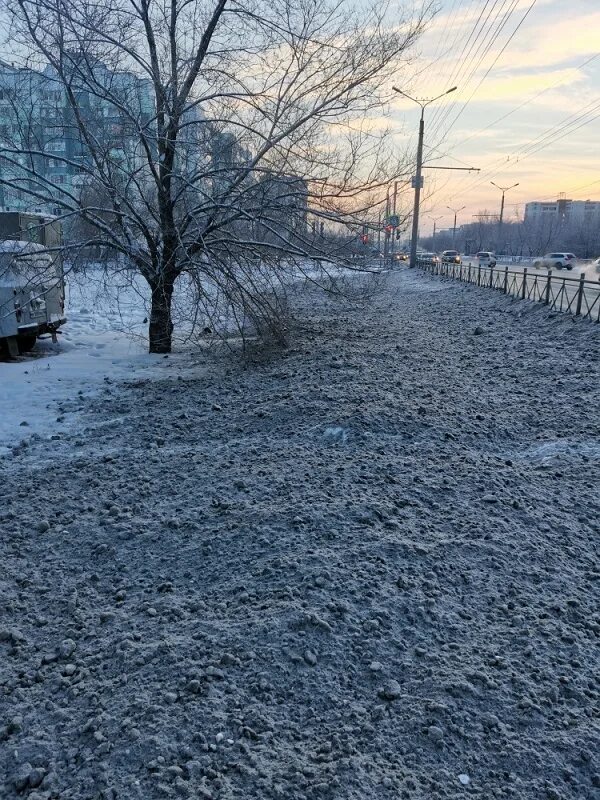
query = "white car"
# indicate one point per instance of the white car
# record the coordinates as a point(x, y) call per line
point(556, 261)
point(486, 259)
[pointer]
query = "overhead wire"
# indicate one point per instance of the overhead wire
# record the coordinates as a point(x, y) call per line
point(470, 67)
point(526, 102)
point(556, 132)
point(464, 55)
point(488, 43)
point(496, 59)
point(482, 39)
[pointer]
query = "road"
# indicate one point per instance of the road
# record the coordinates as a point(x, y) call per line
point(565, 283)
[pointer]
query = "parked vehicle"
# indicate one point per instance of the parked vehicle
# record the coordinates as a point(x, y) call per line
point(556, 261)
point(451, 257)
point(32, 298)
point(486, 258)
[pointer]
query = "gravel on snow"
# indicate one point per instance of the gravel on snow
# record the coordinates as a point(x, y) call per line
point(364, 568)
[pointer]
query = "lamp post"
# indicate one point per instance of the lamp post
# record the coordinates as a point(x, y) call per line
point(504, 190)
point(456, 212)
point(418, 176)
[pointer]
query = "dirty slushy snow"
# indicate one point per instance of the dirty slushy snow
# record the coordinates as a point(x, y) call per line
point(364, 568)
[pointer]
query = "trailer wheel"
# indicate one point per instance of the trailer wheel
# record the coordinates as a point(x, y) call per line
point(26, 343)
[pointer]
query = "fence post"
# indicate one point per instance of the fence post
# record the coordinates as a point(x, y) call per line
point(491, 277)
point(580, 294)
point(548, 282)
point(479, 275)
point(524, 291)
point(469, 278)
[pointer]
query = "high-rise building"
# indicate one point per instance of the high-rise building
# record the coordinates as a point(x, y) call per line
point(43, 153)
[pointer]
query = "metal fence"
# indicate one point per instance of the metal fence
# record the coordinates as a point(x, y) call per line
point(576, 296)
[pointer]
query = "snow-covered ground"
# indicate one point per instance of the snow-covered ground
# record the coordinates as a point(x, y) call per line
point(104, 339)
point(364, 568)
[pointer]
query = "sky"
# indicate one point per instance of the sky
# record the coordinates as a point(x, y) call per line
point(526, 111)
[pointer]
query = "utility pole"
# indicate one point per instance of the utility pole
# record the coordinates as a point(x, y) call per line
point(504, 190)
point(386, 238)
point(418, 178)
point(393, 234)
point(456, 212)
point(435, 219)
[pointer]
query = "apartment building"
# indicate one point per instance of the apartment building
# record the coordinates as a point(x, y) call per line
point(42, 151)
point(563, 210)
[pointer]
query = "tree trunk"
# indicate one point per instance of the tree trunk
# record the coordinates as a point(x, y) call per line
point(160, 330)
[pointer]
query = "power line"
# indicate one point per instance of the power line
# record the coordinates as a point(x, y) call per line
point(519, 107)
point(556, 132)
point(564, 128)
point(488, 43)
point(552, 197)
point(463, 59)
point(495, 61)
point(485, 47)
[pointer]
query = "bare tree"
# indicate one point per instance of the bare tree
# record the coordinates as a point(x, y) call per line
point(200, 134)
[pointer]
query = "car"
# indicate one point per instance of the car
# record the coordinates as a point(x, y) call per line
point(486, 258)
point(451, 257)
point(556, 261)
point(399, 257)
point(596, 264)
point(428, 259)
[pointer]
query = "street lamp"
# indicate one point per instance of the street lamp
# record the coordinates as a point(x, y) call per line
point(504, 190)
point(418, 177)
point(456, 212)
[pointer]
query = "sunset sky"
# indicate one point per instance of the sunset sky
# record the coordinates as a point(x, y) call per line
point(546, 85)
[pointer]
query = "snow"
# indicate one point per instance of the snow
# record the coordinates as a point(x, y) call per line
point(104, 339)
point(359, 568)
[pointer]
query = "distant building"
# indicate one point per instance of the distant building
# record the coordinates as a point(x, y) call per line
point(40, 142)
point(563, 210)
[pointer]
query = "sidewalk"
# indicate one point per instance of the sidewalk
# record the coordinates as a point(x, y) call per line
point(364, 569)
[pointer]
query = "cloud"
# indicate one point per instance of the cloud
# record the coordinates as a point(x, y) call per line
point(557, 42)
point(536, 83)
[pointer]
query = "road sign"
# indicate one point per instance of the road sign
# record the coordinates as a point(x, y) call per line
point(413, 182)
